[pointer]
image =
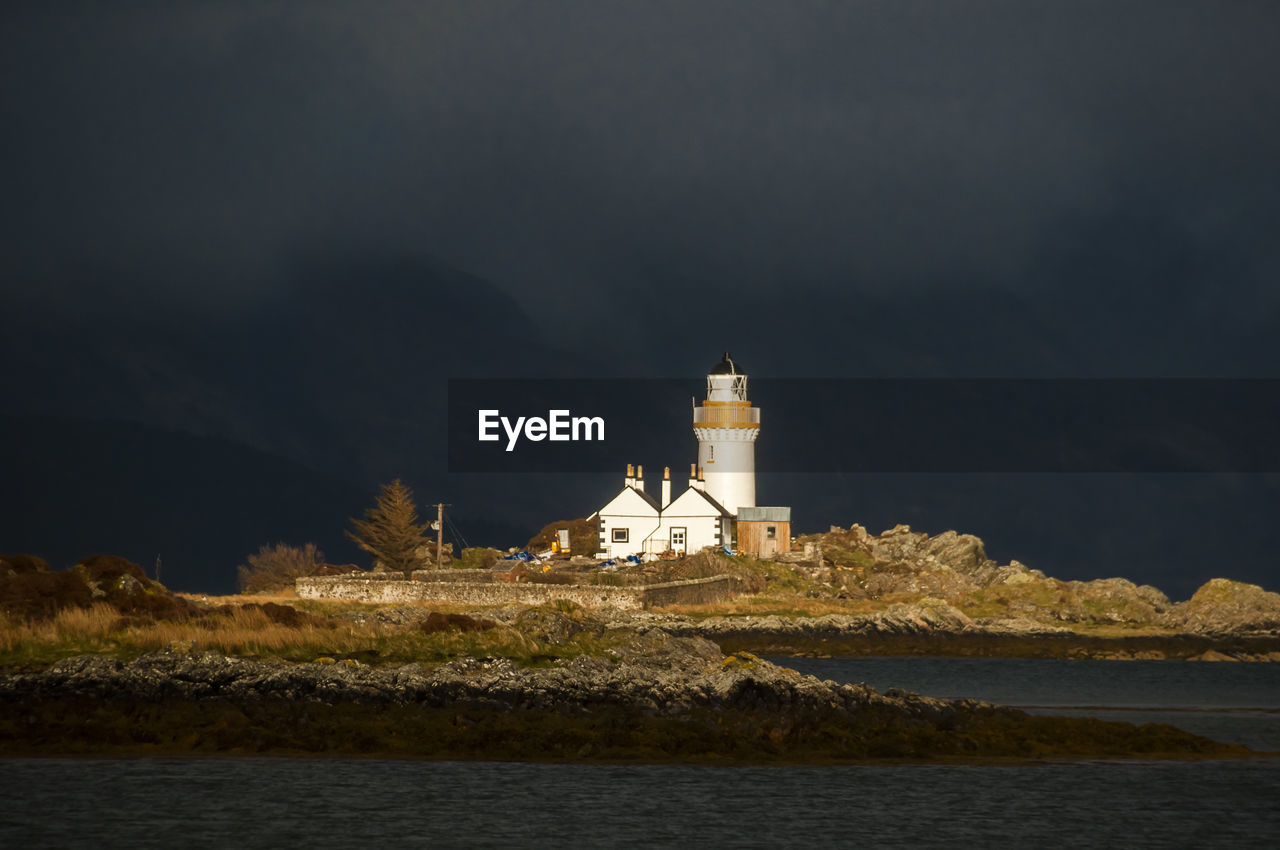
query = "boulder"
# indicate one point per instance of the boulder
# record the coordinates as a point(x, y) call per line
point(1222, 606)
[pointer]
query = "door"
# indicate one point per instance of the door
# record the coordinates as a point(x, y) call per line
point(677, 540)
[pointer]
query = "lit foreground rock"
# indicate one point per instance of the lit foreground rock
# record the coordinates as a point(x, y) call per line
point(934, 627)
point(660, 698)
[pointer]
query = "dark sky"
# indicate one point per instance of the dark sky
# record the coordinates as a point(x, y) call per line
point(580, 154)
point(872, 189)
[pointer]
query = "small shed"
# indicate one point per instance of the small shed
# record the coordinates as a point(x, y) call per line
point(764, 531)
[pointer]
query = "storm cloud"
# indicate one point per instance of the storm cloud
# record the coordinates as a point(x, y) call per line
point(579, 154)
point(285, 225)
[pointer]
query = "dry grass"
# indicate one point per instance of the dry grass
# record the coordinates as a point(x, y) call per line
point(244, 631)
point(100, 630)
point(284, 596)
point(70, 626)
point(249, 632)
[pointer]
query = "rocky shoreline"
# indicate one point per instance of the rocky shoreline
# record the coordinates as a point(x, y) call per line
point(658, 698)
point(929, 627)
point(942, 596)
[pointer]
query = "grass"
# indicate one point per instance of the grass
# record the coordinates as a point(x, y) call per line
point(100, 630)
point(249, 633)
point(1040, 600)
point(342, 629)
point(848, 557)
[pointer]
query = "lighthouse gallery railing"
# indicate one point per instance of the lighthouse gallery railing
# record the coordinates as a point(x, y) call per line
point(726, 417)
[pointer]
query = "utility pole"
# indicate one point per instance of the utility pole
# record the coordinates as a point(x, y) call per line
point(440, 536)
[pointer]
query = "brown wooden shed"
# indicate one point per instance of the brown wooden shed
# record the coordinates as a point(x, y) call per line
point(764, 531)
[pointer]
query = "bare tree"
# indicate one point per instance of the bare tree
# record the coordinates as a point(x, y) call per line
point(390, 530)
point(276, 566)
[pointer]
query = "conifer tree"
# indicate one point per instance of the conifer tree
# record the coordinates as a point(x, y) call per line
point(390, 530)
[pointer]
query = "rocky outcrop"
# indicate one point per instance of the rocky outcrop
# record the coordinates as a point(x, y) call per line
point(901, 563)
point(900, 560)
point(955, 567)
point(1222, 606)
point(657, 673)
point(1109, 601)
point(926, 617)
point(659, 697)
point(933, 627)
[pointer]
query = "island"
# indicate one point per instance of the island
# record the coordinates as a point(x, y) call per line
point(102, 660)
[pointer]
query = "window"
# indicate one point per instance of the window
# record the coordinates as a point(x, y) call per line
point(771, 532)
point(621, 535)
point(677, 538)
point(711, 454)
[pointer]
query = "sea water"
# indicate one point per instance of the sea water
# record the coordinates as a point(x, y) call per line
point(1236, 703)
point(323, 803)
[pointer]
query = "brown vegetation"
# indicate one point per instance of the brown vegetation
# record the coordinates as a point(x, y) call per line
point(15, 564)
point(372, 634)
point(281, 615)
point(277, 565)
point(39, 594)
point(34, 593)
point(439, 622)
point(100, 629)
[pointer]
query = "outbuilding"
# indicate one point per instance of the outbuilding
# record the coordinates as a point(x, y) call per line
point(764, 531)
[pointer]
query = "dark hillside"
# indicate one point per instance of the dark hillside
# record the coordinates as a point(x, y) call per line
point(73, 488)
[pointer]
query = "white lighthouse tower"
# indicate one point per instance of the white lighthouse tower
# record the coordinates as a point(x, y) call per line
point(727, 426)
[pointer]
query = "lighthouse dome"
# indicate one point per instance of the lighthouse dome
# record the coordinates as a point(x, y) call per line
point(727, 366)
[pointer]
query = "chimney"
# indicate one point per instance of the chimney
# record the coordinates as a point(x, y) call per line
point(666, 486)
point(693, 475)
point(702, 482)
point(640, 478)
point(630, 480)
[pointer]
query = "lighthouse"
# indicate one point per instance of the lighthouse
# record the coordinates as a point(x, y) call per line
point(719, 507)
point(727, 426)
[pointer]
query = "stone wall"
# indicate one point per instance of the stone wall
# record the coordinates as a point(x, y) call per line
point(468, 576)
point(359, 588)
point(699, 591)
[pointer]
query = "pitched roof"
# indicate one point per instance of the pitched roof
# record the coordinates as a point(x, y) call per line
point(721, 508)
point(639, 494)
point(702, 494)
point(644, 494)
